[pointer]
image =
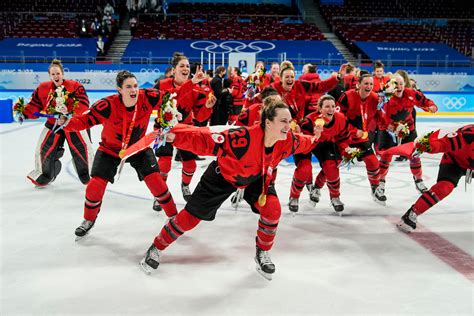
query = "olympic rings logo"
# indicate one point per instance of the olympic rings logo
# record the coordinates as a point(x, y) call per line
point(232, 46)
point(433, 83)
point(454, 102)
point(107, 81)
point(150, 70)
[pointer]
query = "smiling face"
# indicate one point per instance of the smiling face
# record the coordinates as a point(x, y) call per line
point(56, 75)
point(288, 79)
point(275, 70)
point(181, 71)
point(379, 72)
point(129, 91)
point(366, 86)
point(278, 128)
point(328, 108)
point(399, 85)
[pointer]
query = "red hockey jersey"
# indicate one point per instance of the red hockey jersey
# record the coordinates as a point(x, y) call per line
point(240, 151)
point(336, 131)
point(458, 147)
point(250, 116)
point(399, 110)
point(191, 99)
point(295, 99)
point(116, 119)
point(40, 98)
point(353, 107)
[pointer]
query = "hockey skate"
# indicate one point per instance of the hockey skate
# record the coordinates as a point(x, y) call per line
point(151, 260)
point(314, 195)
point(378, 194)
point(186, 191)
point(84, 229)
point(237, 198)
point(156, 205)
point(293, 205)
point(408, 221)
point(338, 205)
point(420, 185)
point(265, 265)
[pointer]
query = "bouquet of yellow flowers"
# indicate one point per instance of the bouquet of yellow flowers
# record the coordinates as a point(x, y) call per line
point(401, 130)
point(422, 144)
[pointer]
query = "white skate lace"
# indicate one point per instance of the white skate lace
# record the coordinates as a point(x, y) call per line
point(315, 193)
point(293, 202)
point(336, 202)
point(86, 224)
point(186, 190)
point(264, 258)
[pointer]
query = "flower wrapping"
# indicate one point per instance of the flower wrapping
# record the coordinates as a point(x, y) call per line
point(401, 130)
point(349, 154)
point(168, 116)
point(422, 144)
point(387, 92)
point(62, 101)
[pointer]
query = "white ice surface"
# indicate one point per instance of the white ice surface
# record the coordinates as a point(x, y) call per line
point(359, 263)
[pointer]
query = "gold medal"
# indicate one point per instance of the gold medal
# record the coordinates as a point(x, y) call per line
point(122, 153)
point(293, 125)
point(319, 122)
point(365, 135)
point(262, 199)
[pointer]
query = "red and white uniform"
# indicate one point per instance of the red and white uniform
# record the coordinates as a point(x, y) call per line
point(50, 145)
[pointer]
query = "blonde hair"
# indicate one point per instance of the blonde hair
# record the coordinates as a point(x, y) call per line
point(56, 63)
point(286, 65)
point(405, 77)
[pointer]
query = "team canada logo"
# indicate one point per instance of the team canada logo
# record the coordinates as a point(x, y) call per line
point(217, 138)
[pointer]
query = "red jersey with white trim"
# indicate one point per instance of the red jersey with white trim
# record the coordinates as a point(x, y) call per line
point(458, 147)
point(250, 116)
point(336, 131)
point(295, 99)
point(399, 110)
point(240, 151)
point(190, 99)
point(116, 119)
point(352, 106)
point(40, 97)
point(379, 83)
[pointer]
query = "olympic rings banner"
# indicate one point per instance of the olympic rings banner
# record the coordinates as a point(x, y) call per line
point(449, 104)
point(264, 49)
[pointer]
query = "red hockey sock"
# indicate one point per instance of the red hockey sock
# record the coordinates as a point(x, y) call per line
point(164, 162)
point(189, 167)
point(175, 227)
point(94, 193)
point(415, 167)
point(384, 164)
point(301, 176)
point(159, 189)
point(332, 177)
point(320, 179)
point(435, 194)
point(373, 169)
point(267, 224)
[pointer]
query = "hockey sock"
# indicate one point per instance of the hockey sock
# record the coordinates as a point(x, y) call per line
point(189, 167)
point(159, 189)
point(268, 222)
point(384, 164)
point(320, 180)
point(301, 176)
point(415, 167)
point(435, 194)
point(94, 193)
point(164, 163)
point(372, 166)
point(175, 227)
point(332, 177)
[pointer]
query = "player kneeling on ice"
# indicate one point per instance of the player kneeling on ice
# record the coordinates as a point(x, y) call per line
point(246, 158)
point(457, 161)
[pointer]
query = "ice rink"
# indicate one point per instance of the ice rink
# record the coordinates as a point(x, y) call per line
point(326, 264)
